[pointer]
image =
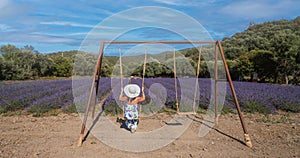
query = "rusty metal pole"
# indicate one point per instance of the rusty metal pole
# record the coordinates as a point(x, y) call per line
point(216, 87)
point(90, 97)
point(246, 135)
point(98, 80)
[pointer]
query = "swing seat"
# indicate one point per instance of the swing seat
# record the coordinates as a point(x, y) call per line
point(124, 118)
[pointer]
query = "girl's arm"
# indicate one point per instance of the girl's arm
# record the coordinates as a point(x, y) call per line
point(142, 98)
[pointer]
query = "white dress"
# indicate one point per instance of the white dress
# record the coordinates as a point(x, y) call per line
point(131, 114)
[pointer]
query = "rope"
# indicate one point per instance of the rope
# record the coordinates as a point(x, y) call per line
point(121, 69)
point(175, 82)
point(144, 70)
point(216, 85)
point(197, 75)
point(121, 78)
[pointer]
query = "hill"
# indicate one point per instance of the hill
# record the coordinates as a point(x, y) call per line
point(276, 36)
point(270, 50)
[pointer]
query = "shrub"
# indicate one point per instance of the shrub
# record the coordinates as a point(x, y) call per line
point(227, 110)
point(10, 107)
point(112, 109)
point(71, 109)
point(255, 107)
point(39, 110)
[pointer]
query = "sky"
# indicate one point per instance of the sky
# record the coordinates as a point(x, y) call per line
point(58, 25)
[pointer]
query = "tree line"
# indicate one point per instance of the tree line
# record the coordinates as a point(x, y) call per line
point(27, 63)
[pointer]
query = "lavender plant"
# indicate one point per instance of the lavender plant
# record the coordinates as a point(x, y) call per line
point(52, 94)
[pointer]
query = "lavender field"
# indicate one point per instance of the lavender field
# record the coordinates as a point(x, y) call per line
point(44, 95)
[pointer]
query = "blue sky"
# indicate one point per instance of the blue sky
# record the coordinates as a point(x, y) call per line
point(58, 25)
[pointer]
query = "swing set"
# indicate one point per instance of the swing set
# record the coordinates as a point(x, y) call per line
point(217, 44)
point(121, 81)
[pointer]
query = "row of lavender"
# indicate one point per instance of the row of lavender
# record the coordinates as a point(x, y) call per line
point(272, 96)
point(49, 94)
point(62, 93)
point(253, 97)
point(25, 94)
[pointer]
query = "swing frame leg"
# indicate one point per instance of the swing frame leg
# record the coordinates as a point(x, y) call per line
point(246, 135)
point(97, 69)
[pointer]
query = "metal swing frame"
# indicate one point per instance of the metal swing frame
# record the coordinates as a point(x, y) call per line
point(218, 46)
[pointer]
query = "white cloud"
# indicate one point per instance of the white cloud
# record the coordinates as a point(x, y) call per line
point(78, 33)
point(50, 39)
point(41, 38)
point(65, 23)
point(261, 8)
point(184, 2)
point(74, 24)
point(3, 27)
point(6, 28)
point(169, 2)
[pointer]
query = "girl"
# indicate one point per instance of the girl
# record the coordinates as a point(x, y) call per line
point(131, 100)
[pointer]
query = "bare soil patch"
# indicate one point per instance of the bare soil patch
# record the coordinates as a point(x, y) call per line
point(56, 136)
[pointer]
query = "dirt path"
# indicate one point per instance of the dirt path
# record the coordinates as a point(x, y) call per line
point(57, 136)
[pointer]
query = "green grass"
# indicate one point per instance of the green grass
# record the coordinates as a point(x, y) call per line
point(71, 109)
point(11, 107)
point(112, 109)
point(168, 111)
point(16, 108)
point(227, 110)
point(290, 108)
point(267, 119)
point(54, 112)
point(39, 110)
point(201, 110)
point(255, 107)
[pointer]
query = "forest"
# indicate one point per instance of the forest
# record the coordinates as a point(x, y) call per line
point(267, 52)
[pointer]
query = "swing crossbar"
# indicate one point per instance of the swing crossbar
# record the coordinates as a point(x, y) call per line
point(160, 42)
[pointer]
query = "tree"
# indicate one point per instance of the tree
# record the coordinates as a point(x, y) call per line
point(63, 67)
point(8, 51)
point(243, 66)
point(281, 38)
point(285, 45)
point(43, 66)
point(17, 63)
point(264, 64)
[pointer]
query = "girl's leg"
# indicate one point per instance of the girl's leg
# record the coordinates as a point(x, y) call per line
point(128, 124)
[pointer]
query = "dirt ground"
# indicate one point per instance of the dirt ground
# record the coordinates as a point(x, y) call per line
point(57, 136)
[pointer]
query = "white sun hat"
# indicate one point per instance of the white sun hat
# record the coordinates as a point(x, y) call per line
point(132, 90)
